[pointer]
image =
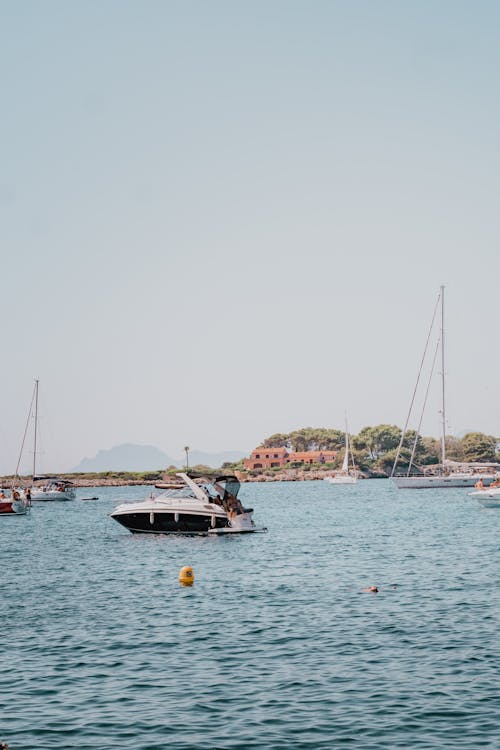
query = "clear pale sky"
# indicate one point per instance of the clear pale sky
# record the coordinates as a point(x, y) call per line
point(221, 220)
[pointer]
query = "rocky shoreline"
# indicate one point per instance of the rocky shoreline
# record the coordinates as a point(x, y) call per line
point(286, 475)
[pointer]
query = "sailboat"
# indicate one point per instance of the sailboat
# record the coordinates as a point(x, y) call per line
point(345, 475)
point(443, 476)
point(47, 487)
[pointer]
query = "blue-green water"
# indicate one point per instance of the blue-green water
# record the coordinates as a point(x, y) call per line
point(275, 645)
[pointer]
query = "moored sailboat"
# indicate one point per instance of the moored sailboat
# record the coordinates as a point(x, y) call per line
point(345, 475)
point(442, 475)
point(47, 487)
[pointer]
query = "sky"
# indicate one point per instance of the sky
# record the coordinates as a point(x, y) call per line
point(223, 220)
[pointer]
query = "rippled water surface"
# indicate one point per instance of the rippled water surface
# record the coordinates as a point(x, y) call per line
point(275, 645)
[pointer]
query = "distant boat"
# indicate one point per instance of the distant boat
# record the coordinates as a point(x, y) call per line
point(13, 505)
point(444, 476)
point(47, 488)
point(52, 488)
point(345, 475)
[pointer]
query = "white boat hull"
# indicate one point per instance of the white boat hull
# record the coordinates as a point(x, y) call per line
point(429, 482)
point(238, 524)
point(488, 498)
point(53, 495)
point(341, 480)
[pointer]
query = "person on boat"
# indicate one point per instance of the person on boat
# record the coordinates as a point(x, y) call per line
point(495, 483)
point(27, 493)
point(15, 495)
point(479, 485)
point(2, 495)
point(234, 506)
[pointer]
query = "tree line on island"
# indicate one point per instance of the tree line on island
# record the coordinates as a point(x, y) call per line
point(374, 448)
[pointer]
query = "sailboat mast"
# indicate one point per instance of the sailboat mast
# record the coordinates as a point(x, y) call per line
point(36, 425)
point(443, 410)
point(345, 463)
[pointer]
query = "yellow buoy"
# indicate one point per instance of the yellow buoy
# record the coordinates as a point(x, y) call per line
point(186, 576)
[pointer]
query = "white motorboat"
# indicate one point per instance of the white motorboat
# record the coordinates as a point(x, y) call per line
point(488, 497)
point(52, 488)
point(190, 509)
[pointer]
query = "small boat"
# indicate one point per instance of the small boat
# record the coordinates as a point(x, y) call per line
point(489, 497)
point(52, 489)
point(14, 505)
point(190, 509)
point(345, 475)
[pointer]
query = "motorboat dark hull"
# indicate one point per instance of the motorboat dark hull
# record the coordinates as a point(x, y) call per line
point(163, 522)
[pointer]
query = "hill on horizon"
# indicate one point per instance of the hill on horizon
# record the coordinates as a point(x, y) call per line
point(133, 457)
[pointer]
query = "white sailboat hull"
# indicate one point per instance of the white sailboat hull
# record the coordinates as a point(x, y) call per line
point(452, 480)
point(67, 494)
point(341, 480)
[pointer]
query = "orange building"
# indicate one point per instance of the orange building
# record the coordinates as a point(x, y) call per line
point(268, 458)
point(313, 457)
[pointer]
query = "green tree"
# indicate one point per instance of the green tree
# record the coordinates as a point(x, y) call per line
point(377, 440)
point(454, 448)
point(479, 447)
point(278, 440)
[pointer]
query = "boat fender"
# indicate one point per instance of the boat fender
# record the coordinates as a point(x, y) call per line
point(151, 518)
point(176, 517)
point(212, 521)
point(186, 576)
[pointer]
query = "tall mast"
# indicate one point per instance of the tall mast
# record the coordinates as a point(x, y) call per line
point(36, 425)
point(443, 409)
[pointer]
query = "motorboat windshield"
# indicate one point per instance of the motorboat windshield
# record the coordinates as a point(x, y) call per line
point(229, 486)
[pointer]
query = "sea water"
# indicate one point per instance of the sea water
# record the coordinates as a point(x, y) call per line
point(275, 646)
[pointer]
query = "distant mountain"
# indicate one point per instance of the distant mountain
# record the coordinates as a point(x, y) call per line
point(132, 457)
point(126, 457)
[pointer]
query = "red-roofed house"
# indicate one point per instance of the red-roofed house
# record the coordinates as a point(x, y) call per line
point(268, 458)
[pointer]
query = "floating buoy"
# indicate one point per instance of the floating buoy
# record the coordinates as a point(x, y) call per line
point(186, 576)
